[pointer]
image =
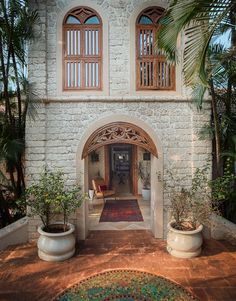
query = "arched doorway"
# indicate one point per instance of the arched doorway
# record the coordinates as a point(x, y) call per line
point(130, 131)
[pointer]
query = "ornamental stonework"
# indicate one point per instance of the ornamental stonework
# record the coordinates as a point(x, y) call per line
point(119, 132)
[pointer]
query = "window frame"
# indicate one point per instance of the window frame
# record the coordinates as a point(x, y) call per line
point(82, 58)
point(150, 58)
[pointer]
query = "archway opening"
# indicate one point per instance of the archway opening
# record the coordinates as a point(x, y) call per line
point(95, 142)
point(119, 159)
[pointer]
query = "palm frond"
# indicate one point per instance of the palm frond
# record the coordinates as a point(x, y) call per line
point(199, 20)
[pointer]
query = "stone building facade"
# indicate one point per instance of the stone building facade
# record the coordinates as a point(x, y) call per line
point(67, 118)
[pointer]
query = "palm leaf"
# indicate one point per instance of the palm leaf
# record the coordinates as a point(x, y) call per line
point(199, 20)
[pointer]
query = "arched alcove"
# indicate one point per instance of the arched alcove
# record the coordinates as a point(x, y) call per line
point(153, 144)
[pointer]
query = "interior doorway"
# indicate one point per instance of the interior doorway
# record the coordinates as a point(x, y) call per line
point(120, 158)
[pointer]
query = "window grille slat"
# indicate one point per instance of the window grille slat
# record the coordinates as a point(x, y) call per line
point(158, 74)
point(140, 74)
point(75, 74)
point(71, 74)
point(96, 42)
point(68, 42)
point(86, 42)
point(86, 75)
point(78, 44)
point(93, 74)
point(68, 74)
point(152, 77)
point(150, 42)
point(90, 74)
point(162, 73)
point(143, 75)
point(79, 75)
point(142, 43)
point(74, 44)
point(92, 44)
point(97, 75)
point(71, 43)
point(149, 74)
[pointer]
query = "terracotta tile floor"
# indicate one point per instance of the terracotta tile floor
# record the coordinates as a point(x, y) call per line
point(210, 277)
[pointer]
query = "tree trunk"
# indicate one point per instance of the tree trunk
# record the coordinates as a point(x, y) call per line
point(217, 130)
point(20, 134)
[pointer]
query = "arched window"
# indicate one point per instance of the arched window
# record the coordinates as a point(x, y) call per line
point(152, 70)
point(82, 42)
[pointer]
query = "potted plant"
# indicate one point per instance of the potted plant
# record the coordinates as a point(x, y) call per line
point(144, 175)
point(49, 198)
point(190, 209)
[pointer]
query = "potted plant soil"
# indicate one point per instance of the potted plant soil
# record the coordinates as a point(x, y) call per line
point(49, 198)
point(190, 209)
point(144, 175)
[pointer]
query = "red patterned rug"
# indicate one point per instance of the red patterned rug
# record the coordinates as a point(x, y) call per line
point(121, 211)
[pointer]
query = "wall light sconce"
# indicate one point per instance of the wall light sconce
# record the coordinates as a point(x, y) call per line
point(94, 157)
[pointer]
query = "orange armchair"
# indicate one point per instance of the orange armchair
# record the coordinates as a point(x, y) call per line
point(100, 189)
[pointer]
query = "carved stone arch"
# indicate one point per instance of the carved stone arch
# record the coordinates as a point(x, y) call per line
point(119, 132)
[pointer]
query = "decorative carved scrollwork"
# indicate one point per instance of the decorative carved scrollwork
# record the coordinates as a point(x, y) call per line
point(119, 132)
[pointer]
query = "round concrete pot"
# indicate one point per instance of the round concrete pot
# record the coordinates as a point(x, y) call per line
point(184, 244)
point(56, 246)
point(146, 194)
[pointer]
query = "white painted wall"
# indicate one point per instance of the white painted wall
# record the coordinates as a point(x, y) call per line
point(15, 233)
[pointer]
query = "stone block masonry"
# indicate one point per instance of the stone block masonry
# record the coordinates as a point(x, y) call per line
point(65, 123)
point(64, 117)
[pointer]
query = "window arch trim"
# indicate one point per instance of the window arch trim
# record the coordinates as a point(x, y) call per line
point(82, 13)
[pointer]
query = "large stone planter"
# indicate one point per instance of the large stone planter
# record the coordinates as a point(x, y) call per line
point(184, 244)
point(56, 246)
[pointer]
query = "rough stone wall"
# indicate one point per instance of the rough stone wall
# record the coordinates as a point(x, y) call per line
point(54, 136)
point(118, 14)
point(176, 125)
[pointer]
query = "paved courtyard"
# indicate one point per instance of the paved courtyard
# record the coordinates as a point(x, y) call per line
point(210, 277)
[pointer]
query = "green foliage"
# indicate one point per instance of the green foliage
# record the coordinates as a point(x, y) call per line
point(224, 190)
point(231, 153)
point(222, 187)
point(50, 196)
point(16, 97)
point(207, 66)
point(201, 20)
point(193, 205)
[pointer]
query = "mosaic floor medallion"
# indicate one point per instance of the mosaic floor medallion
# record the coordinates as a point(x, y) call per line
point(126, 285)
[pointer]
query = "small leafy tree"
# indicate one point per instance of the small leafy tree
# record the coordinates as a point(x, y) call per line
point(192, 206)
point(50, 196)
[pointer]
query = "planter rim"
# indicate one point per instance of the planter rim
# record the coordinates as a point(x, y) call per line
point(71, 230)
point(199, 229)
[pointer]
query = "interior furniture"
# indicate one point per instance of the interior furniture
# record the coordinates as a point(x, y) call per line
point(101, 189)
